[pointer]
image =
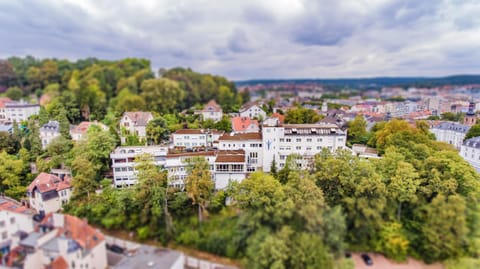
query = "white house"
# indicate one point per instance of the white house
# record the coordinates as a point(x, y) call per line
point(135, 123)
point(3, 110)
point(450, 132)
point(253, 111)
point(123, 162)
point(470, 151)
point(20, 111)
point(251, 143)
point(48, 132)
point(48, 193)
point(282, 140)
point(78, 132)
point(212, 111)
point(15, 219)
point(60, 241)
point(193, 138)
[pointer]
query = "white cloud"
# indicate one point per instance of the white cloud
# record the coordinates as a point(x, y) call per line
point(252, 39)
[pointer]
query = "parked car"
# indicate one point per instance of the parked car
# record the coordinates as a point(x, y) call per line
point(367, 259)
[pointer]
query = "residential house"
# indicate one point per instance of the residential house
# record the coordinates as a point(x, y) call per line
point(60, 241)
point(3, 110)
point(15, 219)
point(48, 132)
point(212, 111)
point(135, 123)
point(78, 132)
point(48, 193)
point(195, 138)
point(252, 110)
point(244, 125)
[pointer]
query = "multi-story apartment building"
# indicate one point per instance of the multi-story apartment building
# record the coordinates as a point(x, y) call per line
point(450, 132)
point(123, 162)
point(282, 140)
point(212, 111)
point(470, 151)
point(48, 193)
point(58, 241)
point(251, 143)
point(14, 217)
point(225, 166)
point(195, 138)
point(48, 132)
point(20, 111)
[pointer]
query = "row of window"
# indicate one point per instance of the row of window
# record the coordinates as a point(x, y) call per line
point(229, 167)
point(124, 169)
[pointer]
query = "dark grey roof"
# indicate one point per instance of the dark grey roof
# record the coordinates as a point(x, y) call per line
point(473, 142)
point(51, 126)
point(453, 126)
point(145, 255)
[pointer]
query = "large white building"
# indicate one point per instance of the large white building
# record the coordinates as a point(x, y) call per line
point(282, 140)
point(123, 162)
point(48, 132)
point(195, 138)
point(48, 193)
point(450, 132)
point(20, 111)
point(470, 151)
point(251, 143)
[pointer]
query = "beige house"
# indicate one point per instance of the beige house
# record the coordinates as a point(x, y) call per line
point(212, 111)
point(135, 123)
point(79, 132)
point(48, 193)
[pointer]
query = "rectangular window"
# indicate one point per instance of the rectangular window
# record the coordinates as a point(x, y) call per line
point(289, 140)
point(299, 140)
point(298, 147)
point(319, 140)
point(309, 140)
point(282, 139)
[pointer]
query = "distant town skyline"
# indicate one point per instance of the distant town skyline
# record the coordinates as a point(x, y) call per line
point(254, 39)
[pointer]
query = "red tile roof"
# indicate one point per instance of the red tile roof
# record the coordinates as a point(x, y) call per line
point(13, 206)
point(47, 182)
point(212, 106)
point(240, 124)
point(4, 100)
point(230, 156)
point(82, 128)
point(58, 263)
point(77, 229)
point(237, 137)
point(280, 117)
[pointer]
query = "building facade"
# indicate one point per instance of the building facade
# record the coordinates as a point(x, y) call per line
point(282, 140)
point(79, 132)
point(250, 143)
point(195, 138)
point(20, 111)
point(48, 132)
point(245, 125)
point(135, 123)
point(14, 219)
point(450, 132)
point(470, 151)
point(253, 111)
point(48, 193)
point(123, 162)
point(212, 111)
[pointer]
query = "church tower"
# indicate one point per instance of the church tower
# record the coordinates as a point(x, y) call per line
point(470, 117)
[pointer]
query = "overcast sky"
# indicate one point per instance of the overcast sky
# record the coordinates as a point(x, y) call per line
point(244, 39)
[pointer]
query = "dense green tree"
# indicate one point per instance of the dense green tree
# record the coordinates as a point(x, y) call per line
point(11, 169)
point(302, 115)
point(474, 131)
point(9, 143)
point(199, 185)
point(162, 95)
point(157, 131)
point(357, 131)
point(14, 93)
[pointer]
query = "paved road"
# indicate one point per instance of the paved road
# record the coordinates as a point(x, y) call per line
point(380, 262)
